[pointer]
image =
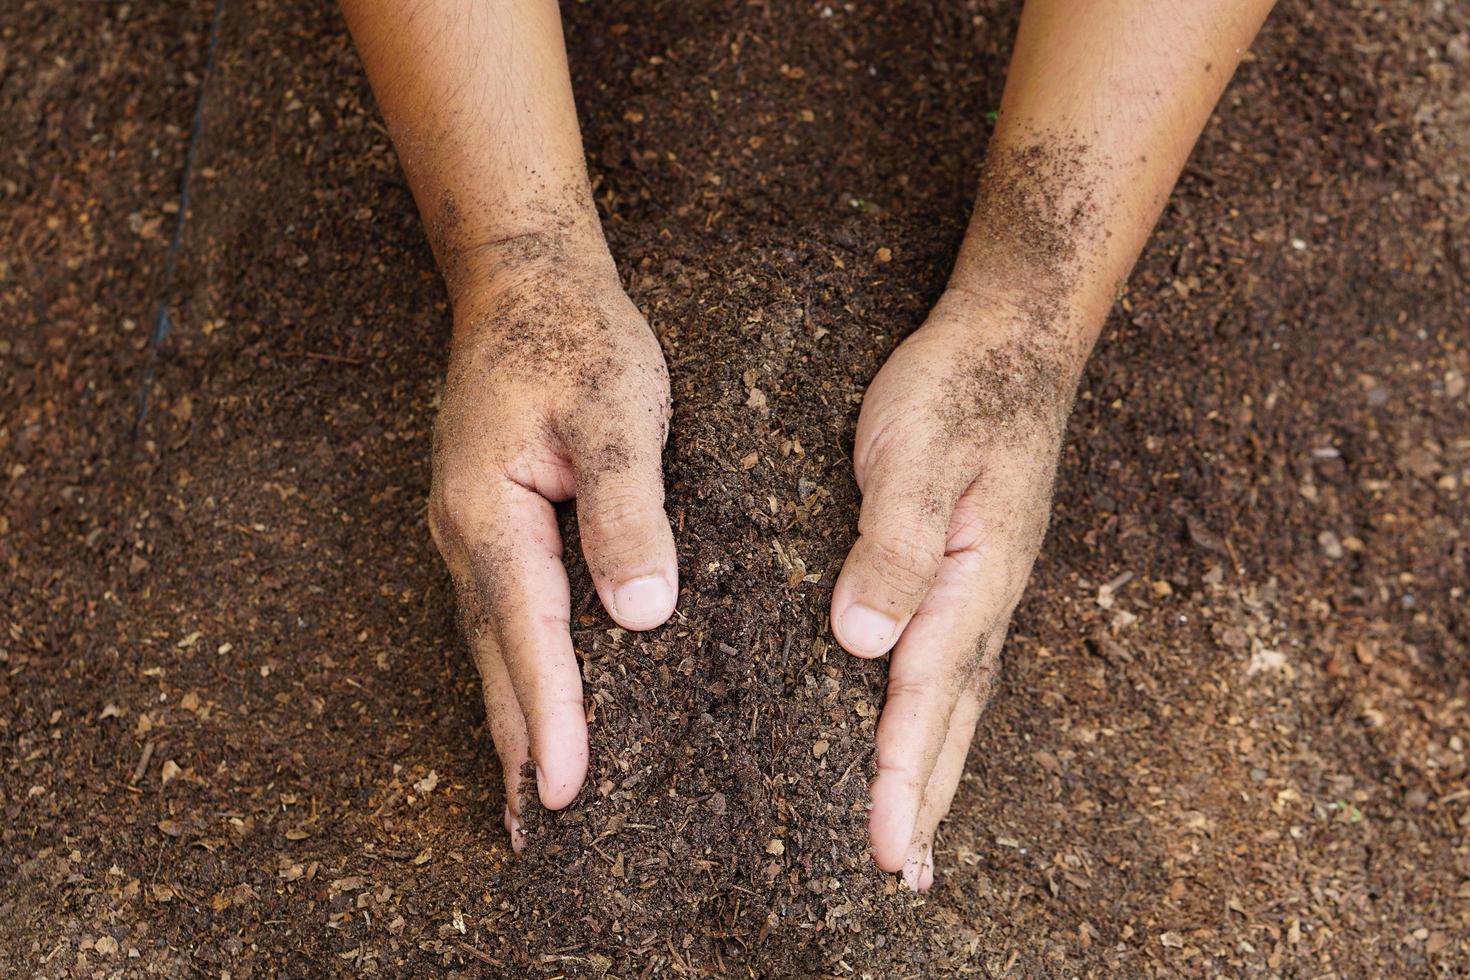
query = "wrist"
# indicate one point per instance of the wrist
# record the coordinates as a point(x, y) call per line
point(1038, 328)
point(1002, 303)
point(562, 241)
point(500, 263)
point(1041, 238)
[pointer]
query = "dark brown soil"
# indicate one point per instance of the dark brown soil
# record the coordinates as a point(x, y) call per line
point(242, 737)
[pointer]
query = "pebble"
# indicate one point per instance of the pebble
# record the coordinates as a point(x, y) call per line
point(1454, 384)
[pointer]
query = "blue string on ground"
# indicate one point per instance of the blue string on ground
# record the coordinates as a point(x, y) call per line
point(162, 322)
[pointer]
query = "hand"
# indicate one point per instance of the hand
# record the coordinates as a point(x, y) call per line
point(556, 389)
point(956, 450)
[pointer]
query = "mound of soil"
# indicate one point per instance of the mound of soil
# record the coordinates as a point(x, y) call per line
point(242, 735)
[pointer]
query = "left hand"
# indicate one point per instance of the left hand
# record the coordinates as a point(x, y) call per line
point(956, 451)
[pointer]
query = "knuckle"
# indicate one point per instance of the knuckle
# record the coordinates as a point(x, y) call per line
point(883, 439)
point(436, 524)
point(620, 523)
point(453, 488)
point(466, 502)
point(548, 717)
point(901, 767)
point(912, 695)
point(447, 537)
point(905, 562)
point(447, 526)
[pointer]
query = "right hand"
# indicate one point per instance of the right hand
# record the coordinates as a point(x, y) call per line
point(956, 451)
point(556, 389)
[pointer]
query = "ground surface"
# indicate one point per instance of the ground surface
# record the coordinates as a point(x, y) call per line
point(240, 735)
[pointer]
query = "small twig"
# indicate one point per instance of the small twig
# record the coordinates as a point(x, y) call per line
point(1234, 558)
point(846, 772)
point(335, 358)
point(142, 768)
point(192, 900)
point(392, 799)
point(485, 958)
point(582, 607)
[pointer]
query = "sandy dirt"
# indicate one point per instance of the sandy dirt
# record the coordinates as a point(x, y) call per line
point(242, 738)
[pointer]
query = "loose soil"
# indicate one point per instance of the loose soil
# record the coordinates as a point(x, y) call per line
point(242, 736)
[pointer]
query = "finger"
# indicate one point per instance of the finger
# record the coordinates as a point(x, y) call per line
point(626, 537)
point(932, 667)
point(522, 589)
point(507, 730)
point(926, 877)
point(901, 536)
point(943, 782)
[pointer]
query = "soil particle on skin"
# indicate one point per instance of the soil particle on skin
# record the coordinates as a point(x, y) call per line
point(976, 672)
point(245, 736)
point(1007, 390)
point(1036, 215)
point(1036, 205)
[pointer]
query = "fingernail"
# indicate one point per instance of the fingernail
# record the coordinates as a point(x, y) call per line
point(926, 877)
point(540, 783)
point(513, 828)
point(644, 602)
point(911, 872)
point(866, 631)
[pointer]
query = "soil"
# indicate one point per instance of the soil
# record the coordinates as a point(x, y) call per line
point(242, 736)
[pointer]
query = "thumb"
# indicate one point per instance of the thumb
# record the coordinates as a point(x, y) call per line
point(901, 535)
point(626, 537)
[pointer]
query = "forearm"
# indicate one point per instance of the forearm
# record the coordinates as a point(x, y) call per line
point(478, 100)
point(1103, 102)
